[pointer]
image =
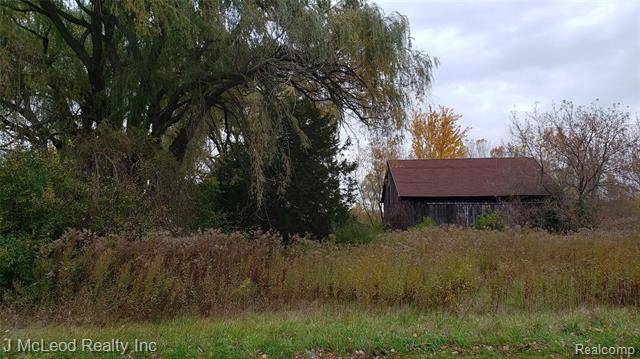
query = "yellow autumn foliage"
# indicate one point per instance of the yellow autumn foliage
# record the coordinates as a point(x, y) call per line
point(436, 134)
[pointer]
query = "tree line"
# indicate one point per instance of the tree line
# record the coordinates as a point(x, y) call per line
point(231, 109)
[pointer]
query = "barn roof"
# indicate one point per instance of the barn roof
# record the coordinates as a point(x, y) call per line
point(468, 177)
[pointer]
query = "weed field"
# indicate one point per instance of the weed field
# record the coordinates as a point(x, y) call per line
point(109, 279)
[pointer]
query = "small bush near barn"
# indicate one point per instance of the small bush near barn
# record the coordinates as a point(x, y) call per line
point(488, 221)
point(354, 232)
point(427, 222)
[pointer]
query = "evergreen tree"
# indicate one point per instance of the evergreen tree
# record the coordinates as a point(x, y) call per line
point(313, 198)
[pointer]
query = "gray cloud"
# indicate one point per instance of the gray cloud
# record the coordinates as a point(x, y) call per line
point(495, 55)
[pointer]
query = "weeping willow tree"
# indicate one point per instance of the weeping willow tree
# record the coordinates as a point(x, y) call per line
point(188, 74)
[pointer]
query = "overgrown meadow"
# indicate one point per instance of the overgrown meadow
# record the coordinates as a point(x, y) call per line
point(85, 278)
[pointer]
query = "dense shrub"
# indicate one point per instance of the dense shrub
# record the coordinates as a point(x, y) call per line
point(17, 260)
point(110, 184)
point(207, 212)
point(84, 276)
point(133, 185)
point(40, 194)
point(488, 221)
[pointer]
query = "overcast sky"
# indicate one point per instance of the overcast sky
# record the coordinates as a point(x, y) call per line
point(495, 55)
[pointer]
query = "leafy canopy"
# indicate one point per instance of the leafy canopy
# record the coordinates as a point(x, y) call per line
point(189, 73)
point(437, 134)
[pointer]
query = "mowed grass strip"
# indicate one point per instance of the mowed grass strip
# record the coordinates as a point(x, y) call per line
point(352, 331)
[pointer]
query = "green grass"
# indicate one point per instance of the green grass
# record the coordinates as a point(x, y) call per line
point(352, 330)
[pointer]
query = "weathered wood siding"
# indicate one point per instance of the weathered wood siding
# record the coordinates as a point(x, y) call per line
point(409, 212)
point(460, 213)
point(400, 213)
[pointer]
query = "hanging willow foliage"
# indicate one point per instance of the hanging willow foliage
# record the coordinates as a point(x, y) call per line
point(194, 72)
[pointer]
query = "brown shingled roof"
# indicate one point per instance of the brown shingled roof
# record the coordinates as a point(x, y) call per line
point(468, 177)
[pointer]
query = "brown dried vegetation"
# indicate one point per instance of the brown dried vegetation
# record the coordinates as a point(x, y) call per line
point(113, 278)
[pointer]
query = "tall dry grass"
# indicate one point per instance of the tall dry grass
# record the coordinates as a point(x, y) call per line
point(110, 278)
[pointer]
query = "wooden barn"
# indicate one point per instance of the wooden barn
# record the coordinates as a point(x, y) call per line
point(457, 191)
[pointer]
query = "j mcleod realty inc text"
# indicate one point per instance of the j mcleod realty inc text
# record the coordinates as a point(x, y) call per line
point(77, 345)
